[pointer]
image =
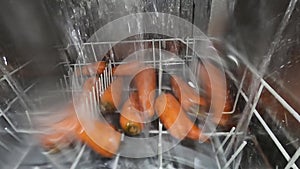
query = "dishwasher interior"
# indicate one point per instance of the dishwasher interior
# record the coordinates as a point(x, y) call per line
point(259, 52)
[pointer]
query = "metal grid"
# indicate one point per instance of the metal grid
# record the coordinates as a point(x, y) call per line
point(265, 85)
point(12, 142)
point(106, 78)
point(221, 147)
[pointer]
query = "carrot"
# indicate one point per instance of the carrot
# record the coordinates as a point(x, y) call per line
point(224, 121)
point(103, 139)
point(91, 69)
point(175, 120)
point(127, 69)
point(130, 119)
point(186, 95)
point(111, 97)
point(63, 133)
point(173, 47)
point(68, 129)
point(59, 132)
point(145, 82)
point(229, 102)
point(89, 84)
point(150, 45)
point(220, 91)
point(123, 50)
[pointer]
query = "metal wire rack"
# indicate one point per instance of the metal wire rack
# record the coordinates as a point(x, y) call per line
point(225, 156)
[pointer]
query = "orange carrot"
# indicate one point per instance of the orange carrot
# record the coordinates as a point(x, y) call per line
point(173, 47)
point(63, 133)
point(127, 69)
point(224, 121)
point(151, 45)
point(175, 120)
point(186, 95)
point(219, 100)
point(59, 132)
point(91, 69)
point(229, 102)
point(145, 82)
point(102, 138)
point(68, 129)
point(89, 84)
point(130, 119)
point(111, 98)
